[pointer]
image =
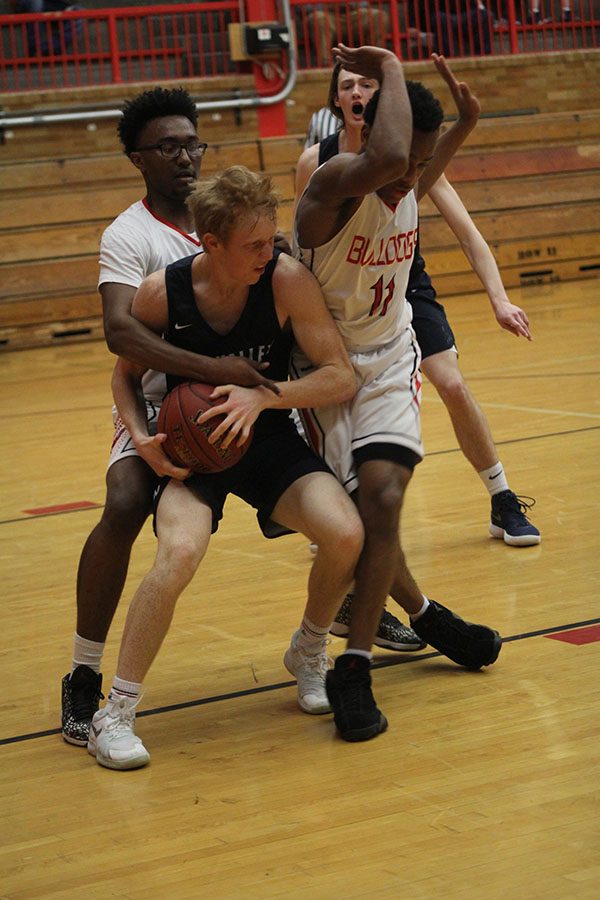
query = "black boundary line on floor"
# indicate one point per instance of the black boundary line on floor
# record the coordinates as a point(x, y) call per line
point(250, 692)
point(522, 376)
point(533, 437)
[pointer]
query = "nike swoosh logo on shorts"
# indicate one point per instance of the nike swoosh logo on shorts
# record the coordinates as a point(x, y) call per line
point(179, 327)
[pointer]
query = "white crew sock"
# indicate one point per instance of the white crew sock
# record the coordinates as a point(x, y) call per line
point(421, 611)
point(87, 653)
point(366, 653)
point(130, 690)
point(494, 479)
point(311, 636)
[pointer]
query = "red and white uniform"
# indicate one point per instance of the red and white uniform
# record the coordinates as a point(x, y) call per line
point(134, 246)
point(363, 272)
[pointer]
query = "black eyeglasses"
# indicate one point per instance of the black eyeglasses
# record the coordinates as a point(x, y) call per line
point(172, 149)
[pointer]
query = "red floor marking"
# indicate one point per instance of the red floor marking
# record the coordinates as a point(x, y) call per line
point(586, 635)
point(62, 507)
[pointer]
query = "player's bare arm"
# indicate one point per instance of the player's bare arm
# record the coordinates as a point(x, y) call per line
point(299, 300)
point(129, 400)
point(150, 308)
point(336, 189)
point(468, 108)
point(306, 165)
point(387, 151)
point(481, 258)
point(128, 337)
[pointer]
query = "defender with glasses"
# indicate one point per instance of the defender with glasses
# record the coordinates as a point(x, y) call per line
point(172, 149)
point(158, 134)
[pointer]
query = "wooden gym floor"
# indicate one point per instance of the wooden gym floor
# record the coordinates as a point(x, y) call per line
point(485, 785)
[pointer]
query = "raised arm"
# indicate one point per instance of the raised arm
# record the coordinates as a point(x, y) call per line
point(481, 258)
point(387, 150)
point(345, 179)
point(468, 107)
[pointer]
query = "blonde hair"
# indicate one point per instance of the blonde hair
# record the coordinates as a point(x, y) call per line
point(218, 203)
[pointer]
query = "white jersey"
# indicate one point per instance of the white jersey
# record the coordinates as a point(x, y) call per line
point(363, 272)
point(134, 246)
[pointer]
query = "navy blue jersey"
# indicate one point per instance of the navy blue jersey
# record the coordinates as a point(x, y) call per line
point(257, 335)
point(328, 147)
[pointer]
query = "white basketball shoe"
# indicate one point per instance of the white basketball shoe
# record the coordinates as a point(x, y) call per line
point(310, 670)
point(112, 739)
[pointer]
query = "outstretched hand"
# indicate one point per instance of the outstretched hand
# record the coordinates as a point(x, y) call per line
point(365, 61)
point(467, 104)
point(514, 319)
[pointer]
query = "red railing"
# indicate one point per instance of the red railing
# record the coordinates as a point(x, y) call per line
point(159, 43)
point(107, 46)
point(416, 28)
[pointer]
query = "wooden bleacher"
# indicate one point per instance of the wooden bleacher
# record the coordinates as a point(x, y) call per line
point(538, 208)
point(56, 211)
point(531, 182)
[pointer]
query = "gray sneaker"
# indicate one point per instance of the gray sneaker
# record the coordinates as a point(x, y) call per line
point(391, 634)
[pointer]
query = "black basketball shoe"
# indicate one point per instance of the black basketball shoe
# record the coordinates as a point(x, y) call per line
point(466, 644)
point(355, 712)
point(81, 698)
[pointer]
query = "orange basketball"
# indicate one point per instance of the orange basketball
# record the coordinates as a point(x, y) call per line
point(187, 442)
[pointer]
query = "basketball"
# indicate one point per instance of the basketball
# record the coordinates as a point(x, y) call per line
point(187, 442)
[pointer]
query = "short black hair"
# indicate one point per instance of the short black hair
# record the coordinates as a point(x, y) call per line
point(427, 110)
point(151, 105)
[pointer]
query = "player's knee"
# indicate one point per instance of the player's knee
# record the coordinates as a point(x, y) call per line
point(453, 389)
point(343, 536)
point(179, 556)
point(127, 506)
point(380, 507)
point(349, 538)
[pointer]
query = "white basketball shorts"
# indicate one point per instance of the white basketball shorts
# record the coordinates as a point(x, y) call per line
point(385, 410)
point(122, 445)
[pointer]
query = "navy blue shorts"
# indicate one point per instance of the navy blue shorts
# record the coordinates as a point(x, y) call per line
point(430, 325)
point(274, 460)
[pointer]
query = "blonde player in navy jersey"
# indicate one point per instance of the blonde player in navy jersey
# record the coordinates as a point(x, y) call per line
point(234, 297)
point(356, 228)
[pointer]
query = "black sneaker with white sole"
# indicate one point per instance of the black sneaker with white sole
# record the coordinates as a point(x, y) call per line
point(81, 696)
point(391, 633)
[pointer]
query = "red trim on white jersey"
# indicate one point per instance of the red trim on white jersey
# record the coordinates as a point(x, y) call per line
point(184, 234)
